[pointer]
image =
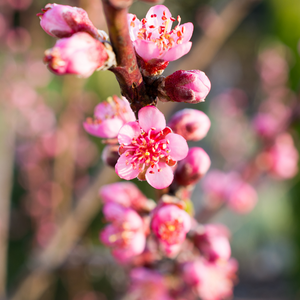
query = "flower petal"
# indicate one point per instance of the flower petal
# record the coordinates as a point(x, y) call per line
point(158, 10)
point(107, 129)
point(189, 28)
point(178, 146)
point(133, 26)
point(129, 131)
point(151, 117)
point(161, 179)
point(124, 168)
point(177, 51)
point(146, 49)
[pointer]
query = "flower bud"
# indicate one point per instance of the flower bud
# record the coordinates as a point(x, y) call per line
point(79, 54)
point(192, 124)
point(212, 241)
point(62, 21)
point(187, 86)
point(193, 167)
point(110, 155)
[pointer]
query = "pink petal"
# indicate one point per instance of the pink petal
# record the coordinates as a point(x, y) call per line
point(146, 49)
point(107, 129)
point(133, 30)
point(178, 146)
point(129, 131)
point(177, 51)
point(158, 11)
point(162, 179)
point(189, 28)
point(151, 117)
point(125, 170)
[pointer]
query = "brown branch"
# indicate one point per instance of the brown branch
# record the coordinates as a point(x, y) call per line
point(127, 71)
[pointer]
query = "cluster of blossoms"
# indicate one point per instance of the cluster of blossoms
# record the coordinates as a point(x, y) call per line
point(141, 144)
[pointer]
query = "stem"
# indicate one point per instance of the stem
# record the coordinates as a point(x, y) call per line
point(127, 71)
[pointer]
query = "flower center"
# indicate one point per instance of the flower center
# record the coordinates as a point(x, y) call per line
point(148, 149)
point(170, 231)
point(159, 34)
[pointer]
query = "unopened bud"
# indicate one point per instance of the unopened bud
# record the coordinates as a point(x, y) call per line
point(110, 155)
point(193, 167)
point(192, 124)
point(79, 54)
point(62, 21)
point(186, 86)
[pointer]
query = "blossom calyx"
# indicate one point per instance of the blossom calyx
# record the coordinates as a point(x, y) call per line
point(62, 21)
point(185, 86)
point(79, 54)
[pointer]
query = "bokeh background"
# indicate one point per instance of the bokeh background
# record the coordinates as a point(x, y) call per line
point(51, 170)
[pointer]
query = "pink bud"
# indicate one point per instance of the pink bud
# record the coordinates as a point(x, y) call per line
point(212, 241)
point(62, 21)
point(193, 167)
point(187, 86)
point(280, 160)
point(192, 124)
point(170, 224)
point(79, 54)
point(242, 197)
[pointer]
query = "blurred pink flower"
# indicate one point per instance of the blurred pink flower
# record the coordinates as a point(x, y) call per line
point(193, 167)
point(280, 160)
point(148, 284)
point(212, 281)
point(187, 86)
point(79, 54)
point(109, 117)
point(170, 224)
point(62, 21)
point(126, 194)
point(153, 38)
point(149, 149)
point(222, 187)
point(126, 234)
point(192, 124)
point(212, 241)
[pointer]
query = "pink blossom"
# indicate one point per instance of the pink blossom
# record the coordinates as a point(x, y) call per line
point(212, 241)
point(212, 281)
point(242, 197)
point(170, 224)
point(187, 86)
point(220, 187)
point(148, 284)
point(79, 54)
point(192, 124)
point(126, 194)
point(126, 234)
point(153, 38)
point(280, 160)
point(109, 117)
point(62, 21)
point(193, 167)
point(149, 149)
